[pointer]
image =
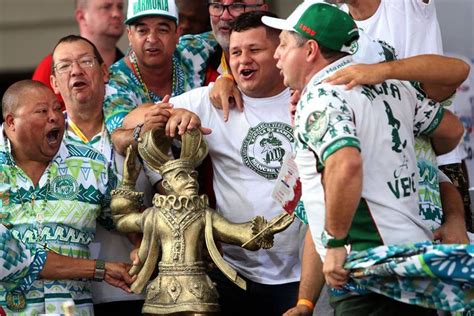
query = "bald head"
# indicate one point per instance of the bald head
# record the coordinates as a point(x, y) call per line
point(11, 98)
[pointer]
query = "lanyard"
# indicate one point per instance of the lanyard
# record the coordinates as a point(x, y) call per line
point(78, 131)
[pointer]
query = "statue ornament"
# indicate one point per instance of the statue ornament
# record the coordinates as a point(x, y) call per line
point(179, 228)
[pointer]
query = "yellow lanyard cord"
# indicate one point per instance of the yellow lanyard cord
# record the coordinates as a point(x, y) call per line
point(77, 131)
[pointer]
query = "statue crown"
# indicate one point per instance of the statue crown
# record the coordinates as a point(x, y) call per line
point(154, 148)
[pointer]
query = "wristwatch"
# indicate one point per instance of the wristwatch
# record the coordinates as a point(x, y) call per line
point(330, 241)
point(99, 273)
point(136, 132)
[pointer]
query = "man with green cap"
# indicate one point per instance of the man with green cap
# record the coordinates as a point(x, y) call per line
point(159, 64)
point(362, 199)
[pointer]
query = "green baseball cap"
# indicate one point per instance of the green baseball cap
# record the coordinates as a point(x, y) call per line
point(140, 8)
point(322, 22)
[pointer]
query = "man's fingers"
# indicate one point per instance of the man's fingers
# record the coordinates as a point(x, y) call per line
point(205, 130)
point(166, 99)
point(226, 108)
point(239, 102)
point(184, 124)
point(170, 128)
point(351, 84)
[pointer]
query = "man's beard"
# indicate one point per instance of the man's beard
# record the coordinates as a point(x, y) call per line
point(222, 39)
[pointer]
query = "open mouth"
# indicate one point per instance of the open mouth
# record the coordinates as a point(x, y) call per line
point(152, 50)
point(247, 73)
point(79, 84)
point(53, 135)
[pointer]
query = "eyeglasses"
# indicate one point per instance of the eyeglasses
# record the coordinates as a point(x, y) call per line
point(234, 9)
point(83, 62)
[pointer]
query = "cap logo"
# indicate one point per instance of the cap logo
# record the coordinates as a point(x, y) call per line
point(146, 5)
point(307, 29)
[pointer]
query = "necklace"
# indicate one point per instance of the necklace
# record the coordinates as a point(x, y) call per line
point(77, 130)
point(177, 86)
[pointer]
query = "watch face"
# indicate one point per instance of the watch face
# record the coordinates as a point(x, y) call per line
point(324, 238)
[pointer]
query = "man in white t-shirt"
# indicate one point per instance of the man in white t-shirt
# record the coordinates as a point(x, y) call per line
point(361, 143)
point(247, 154)
point(412, 28)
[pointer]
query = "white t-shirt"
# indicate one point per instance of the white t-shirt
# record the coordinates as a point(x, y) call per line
point(246, 154)
point(375, 119)
point(412, 28)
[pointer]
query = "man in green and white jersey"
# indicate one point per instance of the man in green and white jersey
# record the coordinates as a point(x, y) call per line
point(362, 139)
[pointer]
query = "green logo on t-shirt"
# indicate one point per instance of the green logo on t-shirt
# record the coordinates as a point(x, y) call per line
point(64, 187)
point(264, 147)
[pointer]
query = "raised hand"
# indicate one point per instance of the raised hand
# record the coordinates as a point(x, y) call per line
point(183, 120)
point(225, 95)
point(132, 167)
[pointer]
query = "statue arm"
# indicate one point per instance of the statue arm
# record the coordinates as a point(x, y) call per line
point(126, 203)
point(129, 223)
point(241, 233)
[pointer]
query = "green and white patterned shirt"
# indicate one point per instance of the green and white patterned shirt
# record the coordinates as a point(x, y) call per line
point(59, 214)
point(19, 266)
point(124, 91)
point(381, 121)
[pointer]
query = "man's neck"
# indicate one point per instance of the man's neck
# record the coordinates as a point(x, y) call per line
point(363, 9)
point(88, 119)
point(158, 79)
point(34, 169)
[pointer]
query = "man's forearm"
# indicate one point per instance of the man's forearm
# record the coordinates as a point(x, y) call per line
point(121, 139)
point(59, 267)
point(312, 277)
point(342, 189)
point(448, 134)
point(439, 75)
point(453, 207)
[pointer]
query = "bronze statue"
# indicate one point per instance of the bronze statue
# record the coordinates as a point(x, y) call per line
point(179, 227)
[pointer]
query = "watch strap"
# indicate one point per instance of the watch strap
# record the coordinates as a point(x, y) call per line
point(99, 273)
point(136, 132)
point(330, 241)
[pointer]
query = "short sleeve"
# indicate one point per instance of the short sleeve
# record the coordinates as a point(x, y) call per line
point(426, 10)
point(122, 95)
point(326, 123)
point(194, 53)
point(428, 114)
point(19, 266)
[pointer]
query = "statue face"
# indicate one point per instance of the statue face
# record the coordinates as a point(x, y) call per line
point(181, 182)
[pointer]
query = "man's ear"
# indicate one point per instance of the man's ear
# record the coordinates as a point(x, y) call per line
point(79, 15)
point(10, 121)
point(54, 83)
point(312, 50)
point(105, 72)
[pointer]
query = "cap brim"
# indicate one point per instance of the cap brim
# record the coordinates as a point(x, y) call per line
point(144, 14)
point(276, 23)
